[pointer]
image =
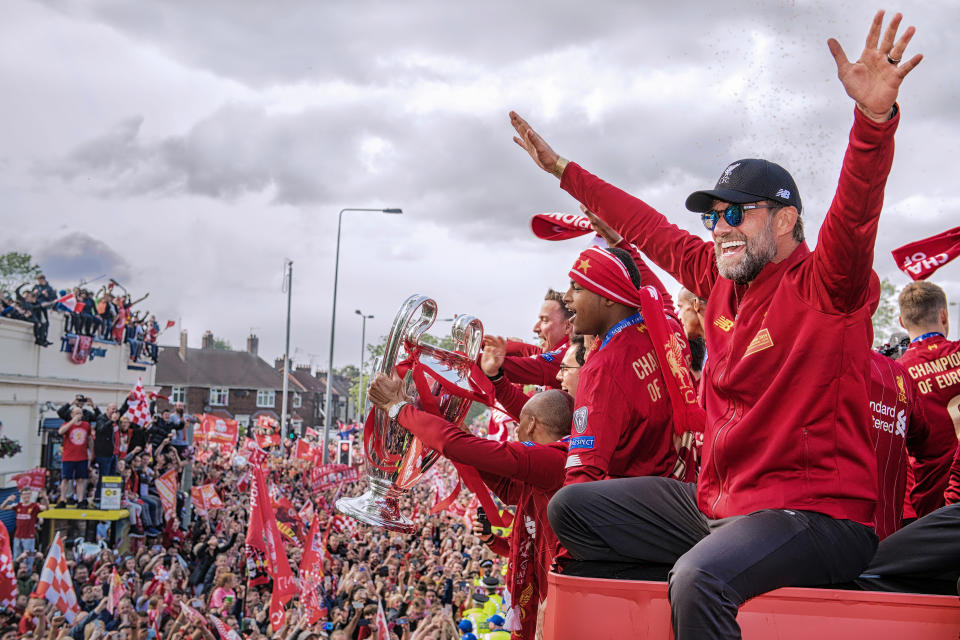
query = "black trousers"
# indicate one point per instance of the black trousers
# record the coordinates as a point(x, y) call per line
point(923, 557)
point(717, 564)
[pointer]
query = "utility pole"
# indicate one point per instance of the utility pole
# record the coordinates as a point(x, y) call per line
point(288, 285)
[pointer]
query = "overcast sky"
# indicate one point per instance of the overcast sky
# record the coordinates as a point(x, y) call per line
point(187, 148)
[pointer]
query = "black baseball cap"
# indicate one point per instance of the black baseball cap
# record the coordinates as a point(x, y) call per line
point(749, 180)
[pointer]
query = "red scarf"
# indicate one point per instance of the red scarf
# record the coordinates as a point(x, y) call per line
point(600, 271)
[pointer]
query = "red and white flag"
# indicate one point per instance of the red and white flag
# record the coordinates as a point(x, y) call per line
point(8, 579)
point(55, 584)
point(311, 433)
point(498, 428)
point(70, 302)
point(116, 593)
point(226, 633)
point(560, 226)
point(138, 407)
point(191, 613)
point(921, 258)
point(383, 631)
point(167, 488)
point(306, 512)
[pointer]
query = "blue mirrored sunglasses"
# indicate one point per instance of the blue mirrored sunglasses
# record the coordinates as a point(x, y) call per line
point(732, 214)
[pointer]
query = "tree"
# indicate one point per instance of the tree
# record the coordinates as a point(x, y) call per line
point(16, 268)
point(222, 345)
point(886, 319)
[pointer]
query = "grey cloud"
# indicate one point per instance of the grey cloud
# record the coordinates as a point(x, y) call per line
point(77, 256)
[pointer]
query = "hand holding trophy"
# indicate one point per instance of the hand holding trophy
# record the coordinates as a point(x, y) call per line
point(433, 379)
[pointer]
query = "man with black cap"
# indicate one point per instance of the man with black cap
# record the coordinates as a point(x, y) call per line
point(787, 487)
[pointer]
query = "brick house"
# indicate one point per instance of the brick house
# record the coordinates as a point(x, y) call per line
point(238, 384)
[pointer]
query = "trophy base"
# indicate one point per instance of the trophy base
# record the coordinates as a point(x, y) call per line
point(378, 507)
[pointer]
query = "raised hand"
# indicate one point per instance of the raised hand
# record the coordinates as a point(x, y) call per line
point(602, 229)
point(541, 152)
point(494, 351)
point(386, 391)
point(874, 80)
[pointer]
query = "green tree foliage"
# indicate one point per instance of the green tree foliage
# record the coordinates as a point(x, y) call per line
point(886, 319)
point(16, 268)
point(221, 344)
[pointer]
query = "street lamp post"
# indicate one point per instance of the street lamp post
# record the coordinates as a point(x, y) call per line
point(328, 398)
point(361, 396)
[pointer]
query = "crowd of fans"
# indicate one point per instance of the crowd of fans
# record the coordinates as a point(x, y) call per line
point(426, 583)
point(104, 315)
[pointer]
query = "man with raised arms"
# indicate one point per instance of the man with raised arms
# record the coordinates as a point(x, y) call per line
point(787, 489)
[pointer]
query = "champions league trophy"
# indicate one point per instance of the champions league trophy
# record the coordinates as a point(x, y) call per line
point(396, 460)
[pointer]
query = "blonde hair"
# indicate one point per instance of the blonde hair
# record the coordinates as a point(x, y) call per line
point(920, 303)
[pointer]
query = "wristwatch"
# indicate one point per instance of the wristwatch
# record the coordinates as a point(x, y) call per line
point(396, 408)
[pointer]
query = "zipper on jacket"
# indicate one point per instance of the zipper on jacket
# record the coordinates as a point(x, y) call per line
point(716, 451)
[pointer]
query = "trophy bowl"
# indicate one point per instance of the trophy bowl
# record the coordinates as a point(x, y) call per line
point(396, 460)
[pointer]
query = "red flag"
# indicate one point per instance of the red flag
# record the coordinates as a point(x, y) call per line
point(217, 430)
point(304, 450)
point(560, 226)
point(312, 433)
point(264, 523)
point(55, 584)
point(35, 478)
point(116, 593)
point(167, 488)
point(311, 573)
point(169, 324)
point(921, 258)
point(266, 422)
point(205, 498)
point(383, 631)
point(8, 580)
point(267, 440)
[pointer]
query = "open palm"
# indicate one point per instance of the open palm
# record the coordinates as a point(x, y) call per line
point(874, 79)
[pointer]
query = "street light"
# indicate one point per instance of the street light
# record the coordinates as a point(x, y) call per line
point(361, 396)
point(328, 398)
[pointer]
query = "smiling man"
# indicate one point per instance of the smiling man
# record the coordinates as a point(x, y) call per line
point(787, 488)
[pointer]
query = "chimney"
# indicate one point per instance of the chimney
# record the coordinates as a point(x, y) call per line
point(253, 342)
point(278, 363)
point(183, 345)
point(303, 367)
point(206, 342)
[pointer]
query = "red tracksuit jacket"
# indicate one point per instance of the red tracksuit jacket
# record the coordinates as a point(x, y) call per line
point(519, 473)
point(786, 392)
point(934, 364)
point(899, 426)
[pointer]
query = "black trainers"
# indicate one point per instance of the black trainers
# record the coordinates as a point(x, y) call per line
point(60, 505)
point(83, 505)
point(72, 503)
